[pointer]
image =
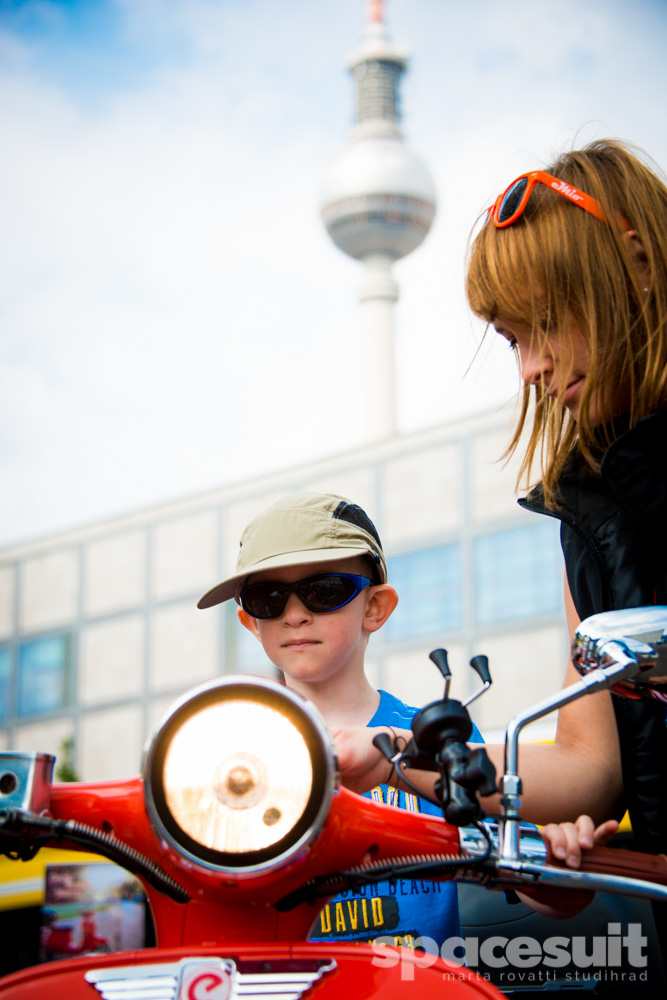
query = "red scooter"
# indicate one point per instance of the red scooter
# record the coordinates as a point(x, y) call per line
point(240, 832)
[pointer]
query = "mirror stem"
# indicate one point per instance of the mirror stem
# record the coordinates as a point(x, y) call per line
point(623, 665)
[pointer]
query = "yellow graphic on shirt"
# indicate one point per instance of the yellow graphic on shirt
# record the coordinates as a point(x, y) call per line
point(357, 915)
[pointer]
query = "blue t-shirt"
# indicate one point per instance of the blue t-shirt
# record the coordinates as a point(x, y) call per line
point(401, 911)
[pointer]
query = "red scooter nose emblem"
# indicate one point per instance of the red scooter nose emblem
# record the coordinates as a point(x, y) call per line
point(206, 981)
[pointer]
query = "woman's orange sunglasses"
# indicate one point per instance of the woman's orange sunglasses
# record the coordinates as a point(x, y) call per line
point(510, 204)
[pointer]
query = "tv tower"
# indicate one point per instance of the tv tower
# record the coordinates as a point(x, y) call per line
point(378, 203)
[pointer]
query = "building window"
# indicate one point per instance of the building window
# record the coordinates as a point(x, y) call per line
point(44, 675)
point(429, 585)
point(5, 680)
point(518, 573)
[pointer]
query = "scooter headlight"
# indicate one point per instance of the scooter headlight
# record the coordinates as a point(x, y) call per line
point(239, 775)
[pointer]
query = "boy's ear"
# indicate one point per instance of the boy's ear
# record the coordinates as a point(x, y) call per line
point(382, 601)
point(248, 622)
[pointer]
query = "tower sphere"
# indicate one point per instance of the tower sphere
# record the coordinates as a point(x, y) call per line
point(377, 197)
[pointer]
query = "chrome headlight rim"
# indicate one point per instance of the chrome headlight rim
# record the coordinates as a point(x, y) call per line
point(309, 724)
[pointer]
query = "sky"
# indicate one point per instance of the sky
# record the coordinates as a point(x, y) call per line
point(173, 314)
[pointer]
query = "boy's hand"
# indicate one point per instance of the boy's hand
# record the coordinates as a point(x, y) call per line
point(362, 766)
point(566, 841)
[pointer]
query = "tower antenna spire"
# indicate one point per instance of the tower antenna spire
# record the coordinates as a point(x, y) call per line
point(376, 11)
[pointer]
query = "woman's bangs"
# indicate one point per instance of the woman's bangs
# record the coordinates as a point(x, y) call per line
point(502, 278)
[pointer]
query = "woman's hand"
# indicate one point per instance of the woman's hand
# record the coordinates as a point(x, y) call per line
point(566, 841)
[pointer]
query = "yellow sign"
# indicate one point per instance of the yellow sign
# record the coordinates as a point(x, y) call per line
point(22, 882)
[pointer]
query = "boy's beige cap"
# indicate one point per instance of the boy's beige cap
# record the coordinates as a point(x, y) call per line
point(301, 528)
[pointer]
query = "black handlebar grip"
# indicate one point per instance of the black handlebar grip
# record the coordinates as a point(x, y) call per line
point(384, 744)
point(481, 665)
point(439, 657)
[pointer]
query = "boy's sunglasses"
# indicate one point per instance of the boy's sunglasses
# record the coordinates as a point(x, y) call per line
point(509, 205)
point(326, 592)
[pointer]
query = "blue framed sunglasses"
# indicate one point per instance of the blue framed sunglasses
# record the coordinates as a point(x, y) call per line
point(326, 592)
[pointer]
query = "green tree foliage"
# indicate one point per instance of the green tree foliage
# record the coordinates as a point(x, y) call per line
point(65, 766)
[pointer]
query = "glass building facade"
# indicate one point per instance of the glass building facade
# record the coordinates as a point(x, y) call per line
point(99, 629)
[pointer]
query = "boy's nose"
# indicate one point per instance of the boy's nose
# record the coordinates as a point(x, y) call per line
point(295, 611)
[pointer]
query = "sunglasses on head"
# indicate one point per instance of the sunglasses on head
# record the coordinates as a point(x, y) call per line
point(326, 592)
point(510, 205)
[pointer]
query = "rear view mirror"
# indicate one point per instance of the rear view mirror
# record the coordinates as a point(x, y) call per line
point(642, 632)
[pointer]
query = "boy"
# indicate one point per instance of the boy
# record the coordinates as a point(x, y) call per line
point(311, 584)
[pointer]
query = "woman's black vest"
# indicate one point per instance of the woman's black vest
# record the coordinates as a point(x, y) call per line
point(614, 539)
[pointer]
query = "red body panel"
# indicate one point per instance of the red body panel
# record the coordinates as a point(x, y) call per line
point(231, 915)
point(356, 829)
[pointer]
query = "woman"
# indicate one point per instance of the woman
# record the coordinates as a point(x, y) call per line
point(570, 267)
